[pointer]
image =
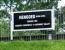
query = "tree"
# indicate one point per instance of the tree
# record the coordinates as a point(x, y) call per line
point(18, 5)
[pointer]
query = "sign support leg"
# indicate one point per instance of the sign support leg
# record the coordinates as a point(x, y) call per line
point(11, 31)
point(50, 36)
point(11, 35)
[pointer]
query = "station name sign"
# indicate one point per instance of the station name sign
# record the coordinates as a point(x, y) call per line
point(33, 20)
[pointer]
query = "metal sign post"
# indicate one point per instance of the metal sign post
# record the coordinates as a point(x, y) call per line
point(11, 32)
point(11, 27)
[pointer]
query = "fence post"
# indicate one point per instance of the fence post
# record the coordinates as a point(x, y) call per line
point(30, 35)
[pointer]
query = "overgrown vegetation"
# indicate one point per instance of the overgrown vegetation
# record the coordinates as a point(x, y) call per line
point(17, 5)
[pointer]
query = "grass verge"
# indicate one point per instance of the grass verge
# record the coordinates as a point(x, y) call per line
point(33, 45)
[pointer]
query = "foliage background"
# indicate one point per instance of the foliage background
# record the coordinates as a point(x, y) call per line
point(7, 6)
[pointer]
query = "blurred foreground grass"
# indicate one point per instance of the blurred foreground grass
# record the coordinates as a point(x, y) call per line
point(33, 45)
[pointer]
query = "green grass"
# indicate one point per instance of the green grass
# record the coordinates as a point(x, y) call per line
point(33, 45)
